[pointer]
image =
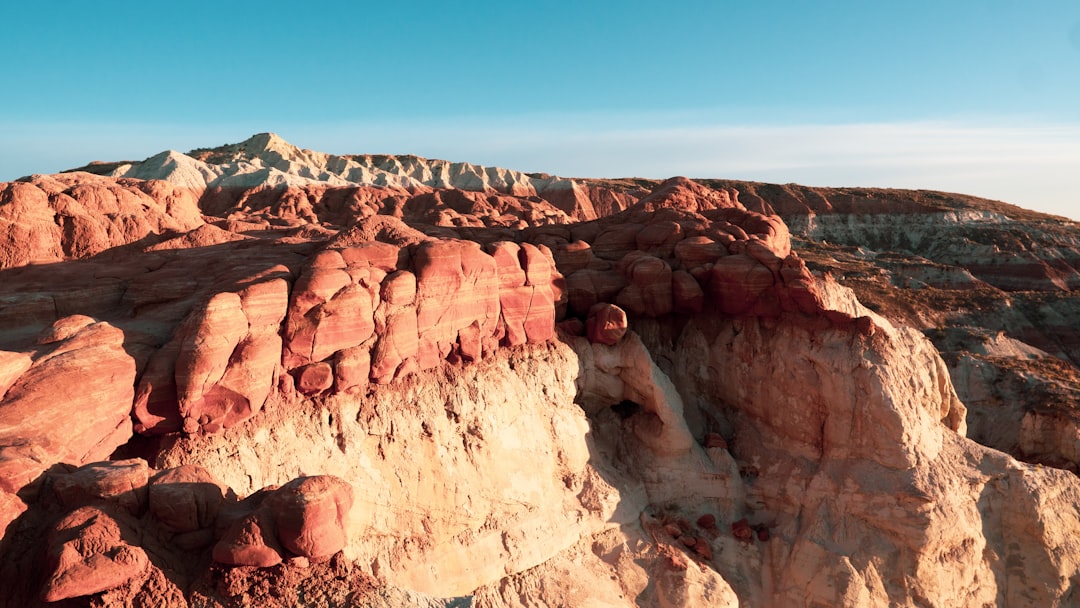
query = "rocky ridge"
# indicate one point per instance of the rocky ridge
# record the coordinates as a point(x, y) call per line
point(266, 161)
point(477, 392)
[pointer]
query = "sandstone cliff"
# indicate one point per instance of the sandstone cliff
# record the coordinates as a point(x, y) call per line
point(281, 377)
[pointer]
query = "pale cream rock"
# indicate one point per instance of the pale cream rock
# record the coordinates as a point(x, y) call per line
point(266, 159)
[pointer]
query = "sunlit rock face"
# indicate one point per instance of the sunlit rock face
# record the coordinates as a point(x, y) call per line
point(262, 375)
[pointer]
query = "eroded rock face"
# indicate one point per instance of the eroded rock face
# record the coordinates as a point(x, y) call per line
point(461, 428)
point(55, 217)
point(311, 515)
point(96, 376)
point(87, 555)
point(453, 301)
point(606, 324)
point(388, 372)
point(121, 483)
point(988, 282)
point(221, 364)
point(186, 499)
point(114, 515)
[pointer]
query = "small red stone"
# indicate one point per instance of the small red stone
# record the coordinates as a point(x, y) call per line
point(707, 521)
point(315, 378)
point(703, 549)
point(676, 560)
point(605, 324)
point(742, 531)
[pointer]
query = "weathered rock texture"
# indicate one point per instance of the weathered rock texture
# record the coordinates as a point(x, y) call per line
point(47, 218)
point(270, 376)
point(991, 284)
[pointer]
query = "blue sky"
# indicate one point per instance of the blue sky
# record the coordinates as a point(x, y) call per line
point(976, 96)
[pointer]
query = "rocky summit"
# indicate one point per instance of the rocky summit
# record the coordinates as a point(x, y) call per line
point(262, 375)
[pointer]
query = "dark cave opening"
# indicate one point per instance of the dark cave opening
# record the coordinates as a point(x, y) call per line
point(626, 408)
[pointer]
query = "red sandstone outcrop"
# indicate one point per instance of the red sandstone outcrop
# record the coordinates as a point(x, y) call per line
point(425, 332)
point(72, 215)
point(306, 517)
point(311, 514)
point(88, 554)
point(606, 324)
point(115, 516)
point(96, 377)
point(221, 364)
point(186, 500)
point(394, 310)
point(680, 267)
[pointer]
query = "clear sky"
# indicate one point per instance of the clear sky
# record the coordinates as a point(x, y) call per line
point(975, 96)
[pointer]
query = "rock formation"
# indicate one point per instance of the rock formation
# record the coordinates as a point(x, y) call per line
point(271, 376)
point(47, 218)
point(991, 284)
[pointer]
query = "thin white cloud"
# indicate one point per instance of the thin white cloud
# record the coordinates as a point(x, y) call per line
point(1029, 165)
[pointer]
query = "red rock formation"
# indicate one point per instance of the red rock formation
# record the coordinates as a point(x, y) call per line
point(606, 324)
point(742, 531)
point(305, 517)
point(96, 376)
point(317, 293)
point(315, 378)
point(250, 539)
point(725, 259)
point(73, 215)
point(449, 301)
point(310, 515)
point(88, 554)
point(376, 310)
point(707, 521)
point(186, 499)
point(220, 366)
point(113, 515)
point(120, 482)
point(687, 195)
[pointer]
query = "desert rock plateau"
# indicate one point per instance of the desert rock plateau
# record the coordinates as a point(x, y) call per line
point(258, 375)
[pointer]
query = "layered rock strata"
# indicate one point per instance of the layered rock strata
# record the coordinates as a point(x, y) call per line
point(626, 398)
